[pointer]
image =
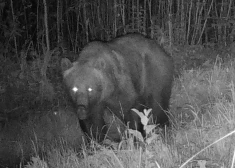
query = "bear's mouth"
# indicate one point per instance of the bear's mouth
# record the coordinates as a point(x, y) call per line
point(82, 112)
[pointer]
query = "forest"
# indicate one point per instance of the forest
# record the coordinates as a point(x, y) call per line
point(38, 126)
point(71, 24)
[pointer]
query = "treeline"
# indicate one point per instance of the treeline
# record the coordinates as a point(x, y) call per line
point(73, 23)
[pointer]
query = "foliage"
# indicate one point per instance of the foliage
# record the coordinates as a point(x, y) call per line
point(74, 23)
point(145, 118)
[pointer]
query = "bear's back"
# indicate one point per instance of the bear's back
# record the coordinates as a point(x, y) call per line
point(137, 49)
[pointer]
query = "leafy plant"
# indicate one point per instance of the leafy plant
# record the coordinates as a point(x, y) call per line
point(149, 129)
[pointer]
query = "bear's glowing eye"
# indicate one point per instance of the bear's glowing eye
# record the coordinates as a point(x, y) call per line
point(75, 89)
point(89, 89)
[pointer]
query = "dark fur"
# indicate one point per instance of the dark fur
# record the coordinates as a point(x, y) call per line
point(128, 72)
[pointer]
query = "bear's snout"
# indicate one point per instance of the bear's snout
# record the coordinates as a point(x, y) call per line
point(82, 112)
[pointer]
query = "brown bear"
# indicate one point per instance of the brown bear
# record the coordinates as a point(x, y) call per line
point(128, 72)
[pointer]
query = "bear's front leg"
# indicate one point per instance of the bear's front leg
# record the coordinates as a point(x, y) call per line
point(94, 128)
point(94, 125)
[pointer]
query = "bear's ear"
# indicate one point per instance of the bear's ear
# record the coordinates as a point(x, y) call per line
point(66, 64)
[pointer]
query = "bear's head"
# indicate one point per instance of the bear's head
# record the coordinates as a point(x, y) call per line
point(87, 86)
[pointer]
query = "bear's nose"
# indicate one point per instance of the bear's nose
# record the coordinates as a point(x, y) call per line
point(82, 112)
